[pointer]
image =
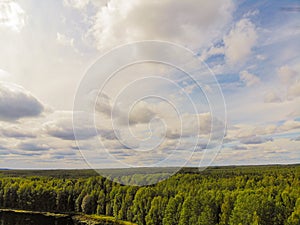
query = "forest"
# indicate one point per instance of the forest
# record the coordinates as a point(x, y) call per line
point(221, 195)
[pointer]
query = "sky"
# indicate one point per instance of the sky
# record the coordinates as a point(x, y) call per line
point(194, 83)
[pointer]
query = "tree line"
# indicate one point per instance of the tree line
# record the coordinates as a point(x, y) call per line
point(234, 196)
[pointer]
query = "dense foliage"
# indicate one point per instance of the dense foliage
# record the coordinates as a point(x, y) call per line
point(243, 195)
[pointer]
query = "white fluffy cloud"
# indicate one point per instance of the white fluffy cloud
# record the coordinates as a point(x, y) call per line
point(192, 23)
point(64, 40)
point(212, 51)
point(4, 75)
point(240, 41)
point(290, 77)
point(16, 103)
point(286, 74)
point(12, 16)
point(271, 97)
point(81, 4)
point(250, 134)
point(294, 90)
point(195, 125)
point(249, 79)
point(290, 125)
point(77, 4)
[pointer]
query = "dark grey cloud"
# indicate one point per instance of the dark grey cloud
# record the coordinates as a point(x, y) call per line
point(239, 147)
point(4, 150)
point(30, 146)
point(26, 153)
point(65, 134)
point(120, 153)
point(254, 140)
point(75, 147)
point(58, 157)
point(62, 154)
point(108, 134)
point(17, 103)
point(171, 134)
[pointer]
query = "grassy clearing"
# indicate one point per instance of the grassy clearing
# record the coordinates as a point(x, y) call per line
point(95, 219)
point(57, 215)
point(88, 219)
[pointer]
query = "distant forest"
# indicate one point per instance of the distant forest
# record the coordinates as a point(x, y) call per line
point(267, 195)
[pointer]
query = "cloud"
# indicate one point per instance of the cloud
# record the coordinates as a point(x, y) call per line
point(154, 125)
point(141, 113)
point(255, 140)
point(12, 16)
point(64, 40)
point(108, 134)
point(239, 147)
point(276, 151)
point(4, 75)
point(77, 4)
point(2, 147)
point(296, 139)
point(244, 131)
point(271, 97)
point(294, 89)
point(290, 78)
point(145, 113)
point(192, 23)
point(16, 132)
point(290, 125)
point(103, 104)
point(82, 4)
point(249, 79)
point(261, 57)
point(240, 41)
point(295, 111)
point(61, 126)
point(31, 146)
point(286, 74)
point(194, 125)
point(251, 13)
point(17, 103)
point(174, 134)
point(212, 51)
point(148, 121)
